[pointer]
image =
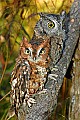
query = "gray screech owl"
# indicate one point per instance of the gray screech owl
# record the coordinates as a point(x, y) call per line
point(51, 26)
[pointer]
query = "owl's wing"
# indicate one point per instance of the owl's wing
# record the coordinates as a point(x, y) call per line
point(19, 80)
point(57, 46)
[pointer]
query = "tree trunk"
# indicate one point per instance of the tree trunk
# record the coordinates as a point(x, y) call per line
point(74, 108)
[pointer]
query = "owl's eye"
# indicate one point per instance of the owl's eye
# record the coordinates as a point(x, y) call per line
point(27, 51)
point(51, 24)
point(42, 51)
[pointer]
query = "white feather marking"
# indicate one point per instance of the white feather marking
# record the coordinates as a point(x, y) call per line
point(38, 52)
point(12, 87)
point(13, 96)
point(14, 91)
point(20, 77)
point(17, 100)
point(26, 62)
point(26, 96)
point(14, 82)
point(22, 92)
point(24, 73)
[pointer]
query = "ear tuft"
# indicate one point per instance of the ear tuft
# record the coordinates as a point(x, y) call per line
point(42, 15)
point(63, 14)
point(24, 39)
point(46, 42)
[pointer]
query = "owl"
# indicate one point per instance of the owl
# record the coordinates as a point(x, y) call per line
point(30, 72)
point(53, 27)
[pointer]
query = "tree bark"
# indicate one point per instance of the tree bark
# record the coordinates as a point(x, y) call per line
point(74, 108)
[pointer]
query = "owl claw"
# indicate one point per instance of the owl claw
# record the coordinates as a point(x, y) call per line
point(31, 101)
point(53, 76)
point(54, 69)
point(43, 91)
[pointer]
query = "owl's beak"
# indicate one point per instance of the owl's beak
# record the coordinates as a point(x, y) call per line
point(34, 58)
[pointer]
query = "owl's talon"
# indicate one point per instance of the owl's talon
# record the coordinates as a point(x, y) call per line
point(53, 76)
point(43, 91)
point(31, 101)
point(54, 69)
point(29, 104)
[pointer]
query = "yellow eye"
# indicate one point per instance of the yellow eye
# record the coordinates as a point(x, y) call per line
point(51, 24)
point(27, 51)
point(42, 51)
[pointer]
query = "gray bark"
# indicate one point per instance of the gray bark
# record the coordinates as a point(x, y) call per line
point(74, 108)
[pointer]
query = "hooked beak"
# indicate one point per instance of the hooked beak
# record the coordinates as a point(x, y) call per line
point(34, 58)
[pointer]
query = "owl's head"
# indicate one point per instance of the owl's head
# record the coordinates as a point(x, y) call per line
point(49, 24)
point(35, 52)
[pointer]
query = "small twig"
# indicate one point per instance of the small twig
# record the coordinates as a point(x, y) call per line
point(4, 66)
point(5, 96)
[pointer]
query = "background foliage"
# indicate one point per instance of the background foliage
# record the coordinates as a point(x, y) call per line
point(17, 19)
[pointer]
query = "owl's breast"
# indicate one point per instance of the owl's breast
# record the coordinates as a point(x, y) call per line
point(37, 79)
point(57, 46)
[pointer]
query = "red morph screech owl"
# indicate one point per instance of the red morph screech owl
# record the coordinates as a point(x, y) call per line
point(30, 72)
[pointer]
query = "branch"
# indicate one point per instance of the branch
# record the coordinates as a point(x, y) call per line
point(46, 103)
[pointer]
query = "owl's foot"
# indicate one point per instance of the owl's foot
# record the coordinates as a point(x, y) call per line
point(54, 68)
point(43, 91)
point(31, 101)
point(52, 76)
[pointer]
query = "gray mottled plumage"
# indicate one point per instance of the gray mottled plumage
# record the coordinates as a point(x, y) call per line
point(51, 26)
